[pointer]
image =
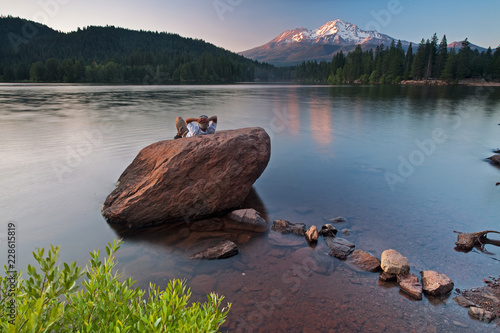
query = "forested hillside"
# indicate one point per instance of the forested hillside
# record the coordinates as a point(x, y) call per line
point(34, 52)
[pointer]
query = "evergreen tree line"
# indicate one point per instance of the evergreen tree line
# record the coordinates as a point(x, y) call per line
point(430, 61)
point(207, 68)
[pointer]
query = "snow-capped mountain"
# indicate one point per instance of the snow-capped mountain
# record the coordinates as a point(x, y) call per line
point(297, 45)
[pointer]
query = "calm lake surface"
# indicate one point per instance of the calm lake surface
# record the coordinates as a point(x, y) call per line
point(404, 165)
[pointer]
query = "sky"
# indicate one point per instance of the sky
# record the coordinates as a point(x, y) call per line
point(239, 25)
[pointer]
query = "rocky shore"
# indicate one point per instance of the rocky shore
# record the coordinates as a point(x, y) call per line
point(483, 302)
point(468, 82)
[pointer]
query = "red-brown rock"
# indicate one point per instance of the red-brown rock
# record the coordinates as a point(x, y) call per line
point(410, 285)
point(189, 179)
point(434, 283)
point(312, 234)
point(364, 261)
point(393, 262)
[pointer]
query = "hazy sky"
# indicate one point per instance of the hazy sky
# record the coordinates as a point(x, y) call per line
point(239, 25)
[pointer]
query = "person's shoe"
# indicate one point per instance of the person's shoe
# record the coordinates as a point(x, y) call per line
point(177, 137)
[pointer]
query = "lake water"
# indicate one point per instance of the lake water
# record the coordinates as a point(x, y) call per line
point(404, 165)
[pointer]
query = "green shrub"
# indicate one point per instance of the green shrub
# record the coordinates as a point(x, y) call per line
point(50, 302)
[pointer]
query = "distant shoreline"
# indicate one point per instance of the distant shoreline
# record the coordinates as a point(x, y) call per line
point(469, 82)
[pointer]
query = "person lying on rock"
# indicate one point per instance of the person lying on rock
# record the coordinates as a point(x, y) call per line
point(187, 128)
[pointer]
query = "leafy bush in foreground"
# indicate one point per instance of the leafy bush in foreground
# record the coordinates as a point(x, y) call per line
point(50, 302)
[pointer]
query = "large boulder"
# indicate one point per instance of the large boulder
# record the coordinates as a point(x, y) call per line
point(189, 179)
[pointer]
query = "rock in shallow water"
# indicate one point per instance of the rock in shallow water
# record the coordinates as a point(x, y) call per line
point(410, 285)
point(328, 230)
point(481, 314)
point(286, 227)
point(339, 219)
point(462, 301)
point(364, 261)
point(434, 283)
point(312, 235)
point(339, 248)
point(246, 219)
point(189, 179)
point(393, 262)
point(222, 250)
point(284, 240)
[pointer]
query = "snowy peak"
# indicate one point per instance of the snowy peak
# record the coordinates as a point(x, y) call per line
point(336, 32)
point(289, 35)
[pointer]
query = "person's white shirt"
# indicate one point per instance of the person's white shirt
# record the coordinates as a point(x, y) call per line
point(195, 130)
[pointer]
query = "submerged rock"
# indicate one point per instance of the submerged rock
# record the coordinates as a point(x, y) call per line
point(434, 283)
point(339, 247)
point(462, 301)
point(286, 227)
point(339, 219)
point(284, 240)
point(393, 262)
point(246, 219)
point(189, 179)
point(222, 250)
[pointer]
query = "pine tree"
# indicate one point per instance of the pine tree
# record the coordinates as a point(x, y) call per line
point(449, 72)
point(408, 62)
point(419, 64)
point(442, 57)
point(464, 58)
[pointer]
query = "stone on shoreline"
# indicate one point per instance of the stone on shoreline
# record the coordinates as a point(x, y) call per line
point(464, 302)
point(435, 284)
point(481, 314)
point(393, 262)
